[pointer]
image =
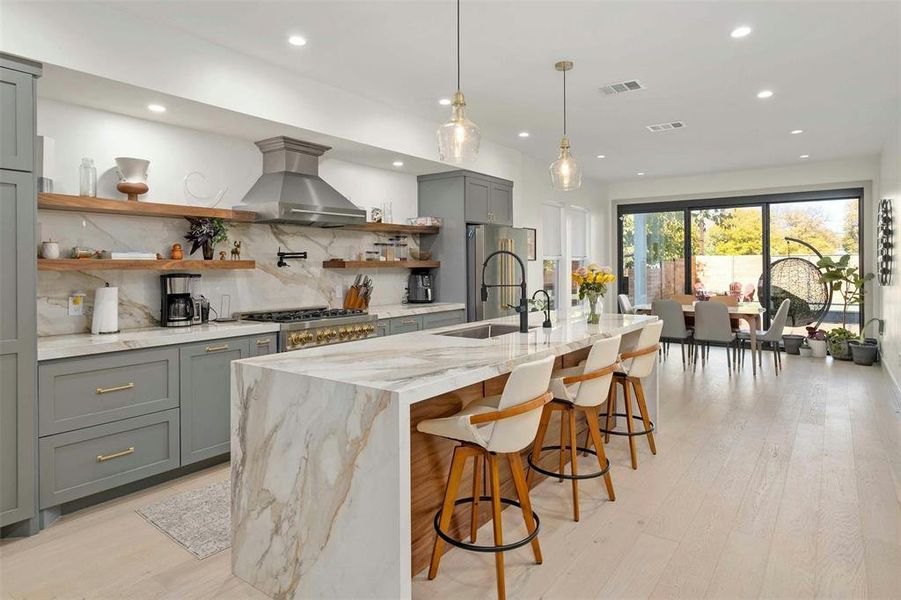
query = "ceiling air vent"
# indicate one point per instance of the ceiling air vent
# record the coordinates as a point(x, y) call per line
point(622, 87)
point(666, 126)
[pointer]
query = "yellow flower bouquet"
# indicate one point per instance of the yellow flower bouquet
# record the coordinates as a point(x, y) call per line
point(592, 281)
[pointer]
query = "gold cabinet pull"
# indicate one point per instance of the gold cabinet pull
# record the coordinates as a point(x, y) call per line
point(263, 342)
point(119, 454)
point(409, 322)
point(216, 348)
point(119, 388)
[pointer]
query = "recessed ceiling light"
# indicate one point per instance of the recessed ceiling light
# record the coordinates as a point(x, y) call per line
point(740, 32)
point(398, 163)
point(445, 102)
point(602, 156)
point(297, 40)
point(523, 134)
point(804, 156)
point(157, 108)
point(640, 173)
point(765, 94)
point(796, 131)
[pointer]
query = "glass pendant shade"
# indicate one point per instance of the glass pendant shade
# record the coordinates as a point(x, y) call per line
point(566, 173)
point(458, 138)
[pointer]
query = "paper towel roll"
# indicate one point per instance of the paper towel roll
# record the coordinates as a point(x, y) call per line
point(106, 310)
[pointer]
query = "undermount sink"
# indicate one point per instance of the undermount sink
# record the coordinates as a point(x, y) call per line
point(483, 332)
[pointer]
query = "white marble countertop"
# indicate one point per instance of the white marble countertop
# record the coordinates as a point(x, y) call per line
point(423, 364)
point(387, 311)
point(83, 344)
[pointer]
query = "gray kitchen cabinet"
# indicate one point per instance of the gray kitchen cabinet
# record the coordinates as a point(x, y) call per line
point(443, 319)
point(261, 345)
point(405, 324)
point(476, 200)
point(79, 463)
point(92, 390)
point(500, 204)
point(382, 327)
point(18, 319)
point(205, 393)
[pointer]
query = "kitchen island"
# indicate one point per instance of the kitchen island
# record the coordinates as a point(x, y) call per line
point(333, 491)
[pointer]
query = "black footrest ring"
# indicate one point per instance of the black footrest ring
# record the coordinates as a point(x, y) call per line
point(558, 475)
point(626, 433)
point(478, 548)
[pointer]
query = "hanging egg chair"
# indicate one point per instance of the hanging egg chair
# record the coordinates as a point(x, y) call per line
point(800, 281)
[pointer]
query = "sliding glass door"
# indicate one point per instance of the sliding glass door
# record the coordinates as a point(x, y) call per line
point(653, 255)
point(727, 252)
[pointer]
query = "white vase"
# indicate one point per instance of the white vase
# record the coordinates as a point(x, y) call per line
point(818, 348)
point(132, 170)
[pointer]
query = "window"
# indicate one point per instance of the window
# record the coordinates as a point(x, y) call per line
point(578, 226)
point(552, 249)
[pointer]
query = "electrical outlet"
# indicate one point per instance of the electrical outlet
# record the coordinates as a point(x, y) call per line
point(76, 305)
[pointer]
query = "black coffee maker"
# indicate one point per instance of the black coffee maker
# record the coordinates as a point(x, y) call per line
point(177, 293)
point(419, 287)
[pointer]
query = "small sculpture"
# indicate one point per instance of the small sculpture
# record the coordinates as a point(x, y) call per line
point(177, 252)
point(236, 251)
point(222, 255)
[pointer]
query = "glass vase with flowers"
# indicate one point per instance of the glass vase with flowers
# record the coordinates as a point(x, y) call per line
point(592, 281)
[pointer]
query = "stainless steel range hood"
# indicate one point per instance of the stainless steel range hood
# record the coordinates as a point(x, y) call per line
point(291, 191)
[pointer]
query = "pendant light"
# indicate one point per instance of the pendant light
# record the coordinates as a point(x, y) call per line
point(458, 138)
point(566, 174)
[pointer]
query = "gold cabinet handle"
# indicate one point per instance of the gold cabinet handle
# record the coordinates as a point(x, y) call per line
point(216, 348)
point(119, 454)
point(263, 342)
point(409, 322)
point(120, 388)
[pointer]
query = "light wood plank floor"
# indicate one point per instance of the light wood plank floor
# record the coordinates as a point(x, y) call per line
point(785, 487)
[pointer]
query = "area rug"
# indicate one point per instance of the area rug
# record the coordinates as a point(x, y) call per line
point(198, 520)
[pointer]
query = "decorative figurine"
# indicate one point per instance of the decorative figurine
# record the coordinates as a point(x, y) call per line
point(236, 251)
point(177, 252)
point(222, 255)
point(132, 176)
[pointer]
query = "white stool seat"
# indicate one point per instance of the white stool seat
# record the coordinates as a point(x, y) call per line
point(458, 427)
point(560, 390)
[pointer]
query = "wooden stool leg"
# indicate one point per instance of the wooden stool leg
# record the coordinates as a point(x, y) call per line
point(643, 409)
point(539, 439)
point(476, 492)
point(594, 430)
point(573, 457)
point(496, 522)
point(611, 408)
point(461, 453)
point(627, 400)
point(563, 429)
point(522, 491)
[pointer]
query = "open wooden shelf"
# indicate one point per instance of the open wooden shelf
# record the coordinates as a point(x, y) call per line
point(139, 209)
point(394, 228)
point(97, 264)
point(337, 263)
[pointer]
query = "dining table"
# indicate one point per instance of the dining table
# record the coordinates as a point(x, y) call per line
point(749, 312)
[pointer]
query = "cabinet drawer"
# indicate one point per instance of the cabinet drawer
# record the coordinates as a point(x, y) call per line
point(404, 324)
point(81, 392)
point(383, 327)
point(443, 319)
point(261, 345)
point(86, 461)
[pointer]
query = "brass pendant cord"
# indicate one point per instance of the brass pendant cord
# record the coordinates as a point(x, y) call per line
point(564, 103)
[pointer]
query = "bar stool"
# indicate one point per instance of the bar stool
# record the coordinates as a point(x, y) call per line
point(583, 388)
point(635, 365)
point(505, 425)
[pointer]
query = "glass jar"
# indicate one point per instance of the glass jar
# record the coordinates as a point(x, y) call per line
point(401, 251)
point(382, 248)
point(372, 255)
point(87, 178)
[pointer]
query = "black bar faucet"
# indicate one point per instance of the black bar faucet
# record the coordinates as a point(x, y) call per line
point(523, 308)
point(547, 307)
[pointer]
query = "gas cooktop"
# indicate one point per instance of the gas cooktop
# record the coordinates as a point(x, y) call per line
point(316, 325)
point(295, 315)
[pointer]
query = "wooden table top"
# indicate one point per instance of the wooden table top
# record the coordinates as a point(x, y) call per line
point(744, 308)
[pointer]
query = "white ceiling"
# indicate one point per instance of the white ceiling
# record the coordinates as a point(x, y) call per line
point(833, 66)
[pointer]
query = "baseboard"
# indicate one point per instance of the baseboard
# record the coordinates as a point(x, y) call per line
point(891, 375)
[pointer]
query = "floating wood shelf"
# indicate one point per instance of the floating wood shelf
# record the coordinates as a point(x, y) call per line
point(138, 209)
point(380, 264)
point(97, 264)
point(394, 228)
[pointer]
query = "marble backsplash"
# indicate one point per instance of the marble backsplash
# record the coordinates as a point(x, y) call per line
point(303, 283)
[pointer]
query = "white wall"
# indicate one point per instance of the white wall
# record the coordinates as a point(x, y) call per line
point(890, 297)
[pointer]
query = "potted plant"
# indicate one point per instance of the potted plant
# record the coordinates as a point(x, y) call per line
point(841, 277)
point(864, 351)
point(204, 233)
point(592, 282)
point(816, 339)
point(804, 349)
point(792, 342)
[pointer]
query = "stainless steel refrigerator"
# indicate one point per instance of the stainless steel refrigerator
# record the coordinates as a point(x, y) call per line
point(481, 241)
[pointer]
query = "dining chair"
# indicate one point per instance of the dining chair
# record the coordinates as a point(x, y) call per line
point(728, 300)
point(625, 306)
point(712, 325)
point(674, 328)
point(771, 336)
point(683, 299)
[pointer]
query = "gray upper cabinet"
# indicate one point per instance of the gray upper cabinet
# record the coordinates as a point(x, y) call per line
point(488, 200)
point(500, 204)
point(17, 130)
point(18, 268)
point(205, 391)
